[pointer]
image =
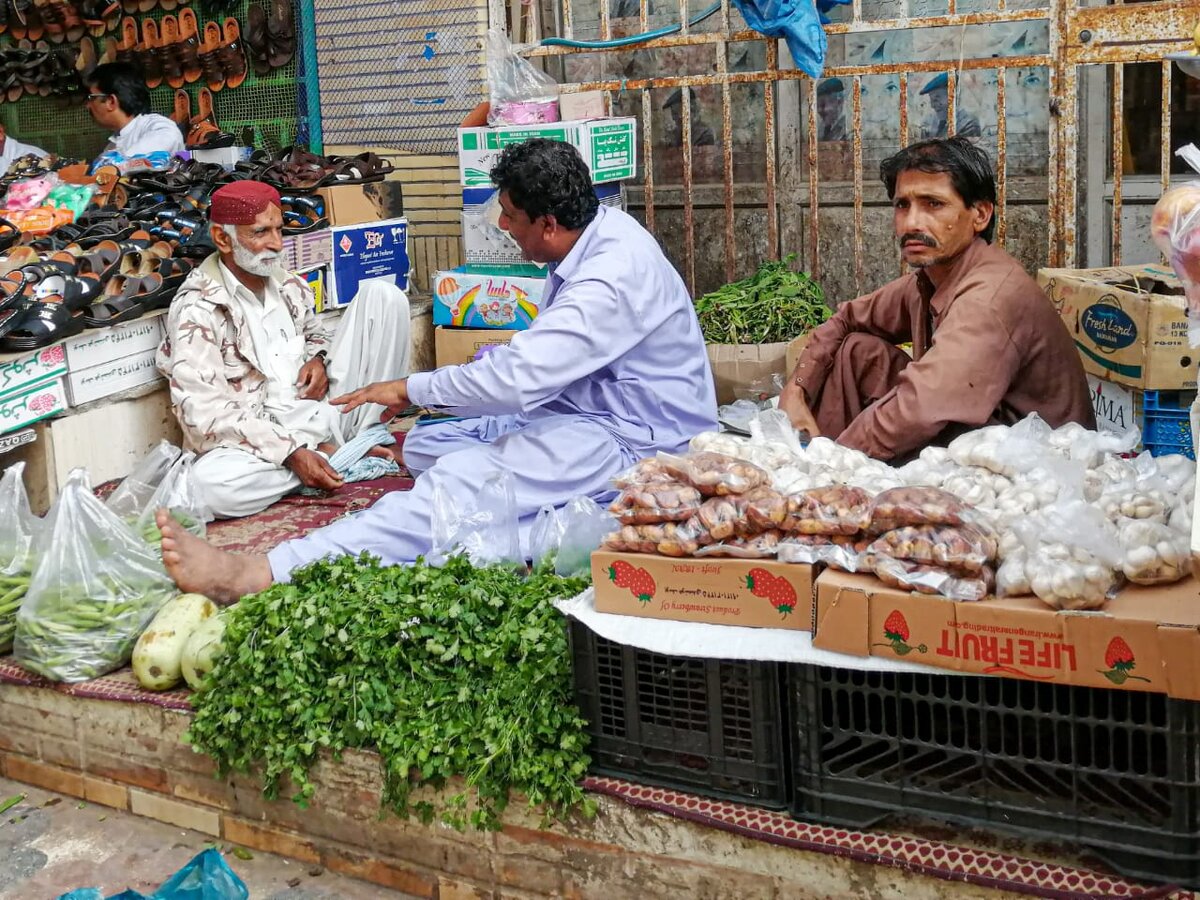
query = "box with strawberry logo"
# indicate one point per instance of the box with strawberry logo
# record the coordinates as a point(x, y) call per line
point(32, 404)
point(17, 373)
point(1145, 639)
point(756, 593)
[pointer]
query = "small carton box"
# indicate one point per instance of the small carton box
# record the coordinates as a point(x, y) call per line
point(225, 157)
point(1129, 323)
point(18, 372)
point(505, 297)
point(455, 346)
point(311, 250)
point(364, 252)
point(105, 345)
point(608, 146)
point(32, 403)
point(485, 243)
point(357, 204)
point(752, 592)
point(112, 377)
point(315, 279)
point(748, 371)
point(1145, 639)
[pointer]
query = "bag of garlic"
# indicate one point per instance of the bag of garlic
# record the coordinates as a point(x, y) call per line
point(1004, 449)
point(1154, 553)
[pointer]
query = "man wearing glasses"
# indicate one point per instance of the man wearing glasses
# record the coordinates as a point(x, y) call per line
point(118, 99)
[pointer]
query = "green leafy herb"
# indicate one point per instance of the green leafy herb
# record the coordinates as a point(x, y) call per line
point(774, 304)
point(451, 671)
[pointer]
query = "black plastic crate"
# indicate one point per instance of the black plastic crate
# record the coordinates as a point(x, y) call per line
point(1115, 771)
point(710, 727)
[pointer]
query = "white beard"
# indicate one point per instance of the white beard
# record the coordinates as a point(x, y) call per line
point(260, 264)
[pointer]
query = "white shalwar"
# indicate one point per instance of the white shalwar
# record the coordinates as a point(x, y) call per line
point(613, 369)
point(235, 482)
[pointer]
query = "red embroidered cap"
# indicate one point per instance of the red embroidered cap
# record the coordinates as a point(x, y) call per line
point(241, 203)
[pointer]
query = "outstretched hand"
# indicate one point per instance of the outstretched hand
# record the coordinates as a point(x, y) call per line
point(392, 395)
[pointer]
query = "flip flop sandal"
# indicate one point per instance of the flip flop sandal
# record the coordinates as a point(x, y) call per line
point(196, 199)
point(189, 46)
point(76, 293)
point(231, 55)
point(119, 303)
point(43, 324)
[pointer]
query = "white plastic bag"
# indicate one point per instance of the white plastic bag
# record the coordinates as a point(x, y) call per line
point(545, 537)
point(1154, 553)
point(485, 528)
point(1073, 556)
point(179, 494)
point(585, 523)
point(1175, 228)
point(132, 494)
point(19, 533)
point(96, 588)
point(519, 93)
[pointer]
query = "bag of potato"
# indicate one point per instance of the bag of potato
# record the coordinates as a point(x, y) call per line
point(838, 509)
point(714, 474)
point(762, 509)
point(903, 575)
point(758, 546)
point(968, 548)
point(665, 539)
point(838, 551)
point(646, 504)
point(644, 471)
point(916, 506)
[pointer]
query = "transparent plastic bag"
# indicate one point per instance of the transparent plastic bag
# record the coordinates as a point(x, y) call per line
point(485, 528)
point(916, 506)
point(960, 548)
point(1154, 553)
point(758, 546)
point(1073, 555)
point(762, 509)
point(666, 539)
point(931, 579)
point(839, 509)
point(179, 495)
point(584, 524)
point(1011, 578)
point(644, 471)
point(714, 474)
point(835, 550)
point(518, 92)
point(132, 494)
point(645, 504)
point(96, 588)
point(1003, 449)
point(20, 531)
point(1175, 228)
point(545, 537)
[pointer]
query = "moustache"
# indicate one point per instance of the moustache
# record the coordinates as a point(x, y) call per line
point(919, 237)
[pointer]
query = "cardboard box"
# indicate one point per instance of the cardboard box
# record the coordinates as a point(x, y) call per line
point(608, 146)
point(455, 346)
point(106, 379)
point(358, 204)
point(485, 243)
point(582, 105)
point(1129, 323)
point(104, 345)
point(19, 372)
point(315, 279)
point(32, 403)
point(225, 157)
point(748, 370)
point(313, 249)
point(1145, 639)
point(718, 591)
point(363, 252)
point(506, 297)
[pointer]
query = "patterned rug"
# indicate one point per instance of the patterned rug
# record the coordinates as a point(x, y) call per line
point(937, 859)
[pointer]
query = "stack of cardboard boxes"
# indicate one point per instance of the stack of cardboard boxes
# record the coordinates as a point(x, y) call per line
point(498, 293)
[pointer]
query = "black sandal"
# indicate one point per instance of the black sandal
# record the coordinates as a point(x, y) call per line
point(43, 324)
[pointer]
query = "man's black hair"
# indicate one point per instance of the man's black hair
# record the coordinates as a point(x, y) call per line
point(125, 82)
point(547, 178)
point(968, 166)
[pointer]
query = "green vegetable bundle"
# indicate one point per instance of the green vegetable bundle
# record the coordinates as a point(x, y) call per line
point(774, 304)
point(451, 671)
point(96, 588)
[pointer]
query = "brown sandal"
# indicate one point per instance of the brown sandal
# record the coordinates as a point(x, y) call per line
point(189, 46)
point(210, 62)
point(172, 64)
point(232, 56)
point(182, 113)
point(151, 53)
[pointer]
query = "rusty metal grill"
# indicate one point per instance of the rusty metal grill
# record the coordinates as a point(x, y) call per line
point(762, 181)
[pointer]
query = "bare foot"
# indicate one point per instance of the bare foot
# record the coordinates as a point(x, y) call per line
point(391, 451)
point(198, 567)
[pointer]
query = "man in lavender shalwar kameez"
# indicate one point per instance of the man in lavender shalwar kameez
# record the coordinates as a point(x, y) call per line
point(613, 369)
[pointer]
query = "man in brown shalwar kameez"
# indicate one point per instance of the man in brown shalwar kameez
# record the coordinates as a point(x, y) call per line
point(987, 346)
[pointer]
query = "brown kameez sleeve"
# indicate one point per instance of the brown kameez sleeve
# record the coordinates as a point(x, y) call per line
point(884, 313)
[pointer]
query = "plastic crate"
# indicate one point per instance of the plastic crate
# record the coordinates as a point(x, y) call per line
point(1115, 771)
point(710, 727)
point(1166, 422)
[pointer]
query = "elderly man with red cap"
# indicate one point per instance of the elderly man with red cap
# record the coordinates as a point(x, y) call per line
point(250, 364)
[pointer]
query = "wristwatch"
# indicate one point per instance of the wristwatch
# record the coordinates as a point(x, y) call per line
point(323, 356)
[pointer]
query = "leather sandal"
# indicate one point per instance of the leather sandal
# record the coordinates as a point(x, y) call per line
point(256, 37)
point(151, 52)
point(189, 46)
point(120, 302)
point(231, 54)
point(281, 34)
point(172, 64)
point(210, 62)
point(42, 324)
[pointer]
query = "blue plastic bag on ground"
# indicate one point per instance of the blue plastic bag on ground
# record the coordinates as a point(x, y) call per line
point(797, 22)
point(206, 877)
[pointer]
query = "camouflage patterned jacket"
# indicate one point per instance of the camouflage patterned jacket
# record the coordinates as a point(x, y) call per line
point(217, 384)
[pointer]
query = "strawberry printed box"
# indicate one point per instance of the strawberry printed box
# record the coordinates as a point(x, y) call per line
point(32, 404)
point(1145, 638)
point(18, 373)
point(756, 593)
